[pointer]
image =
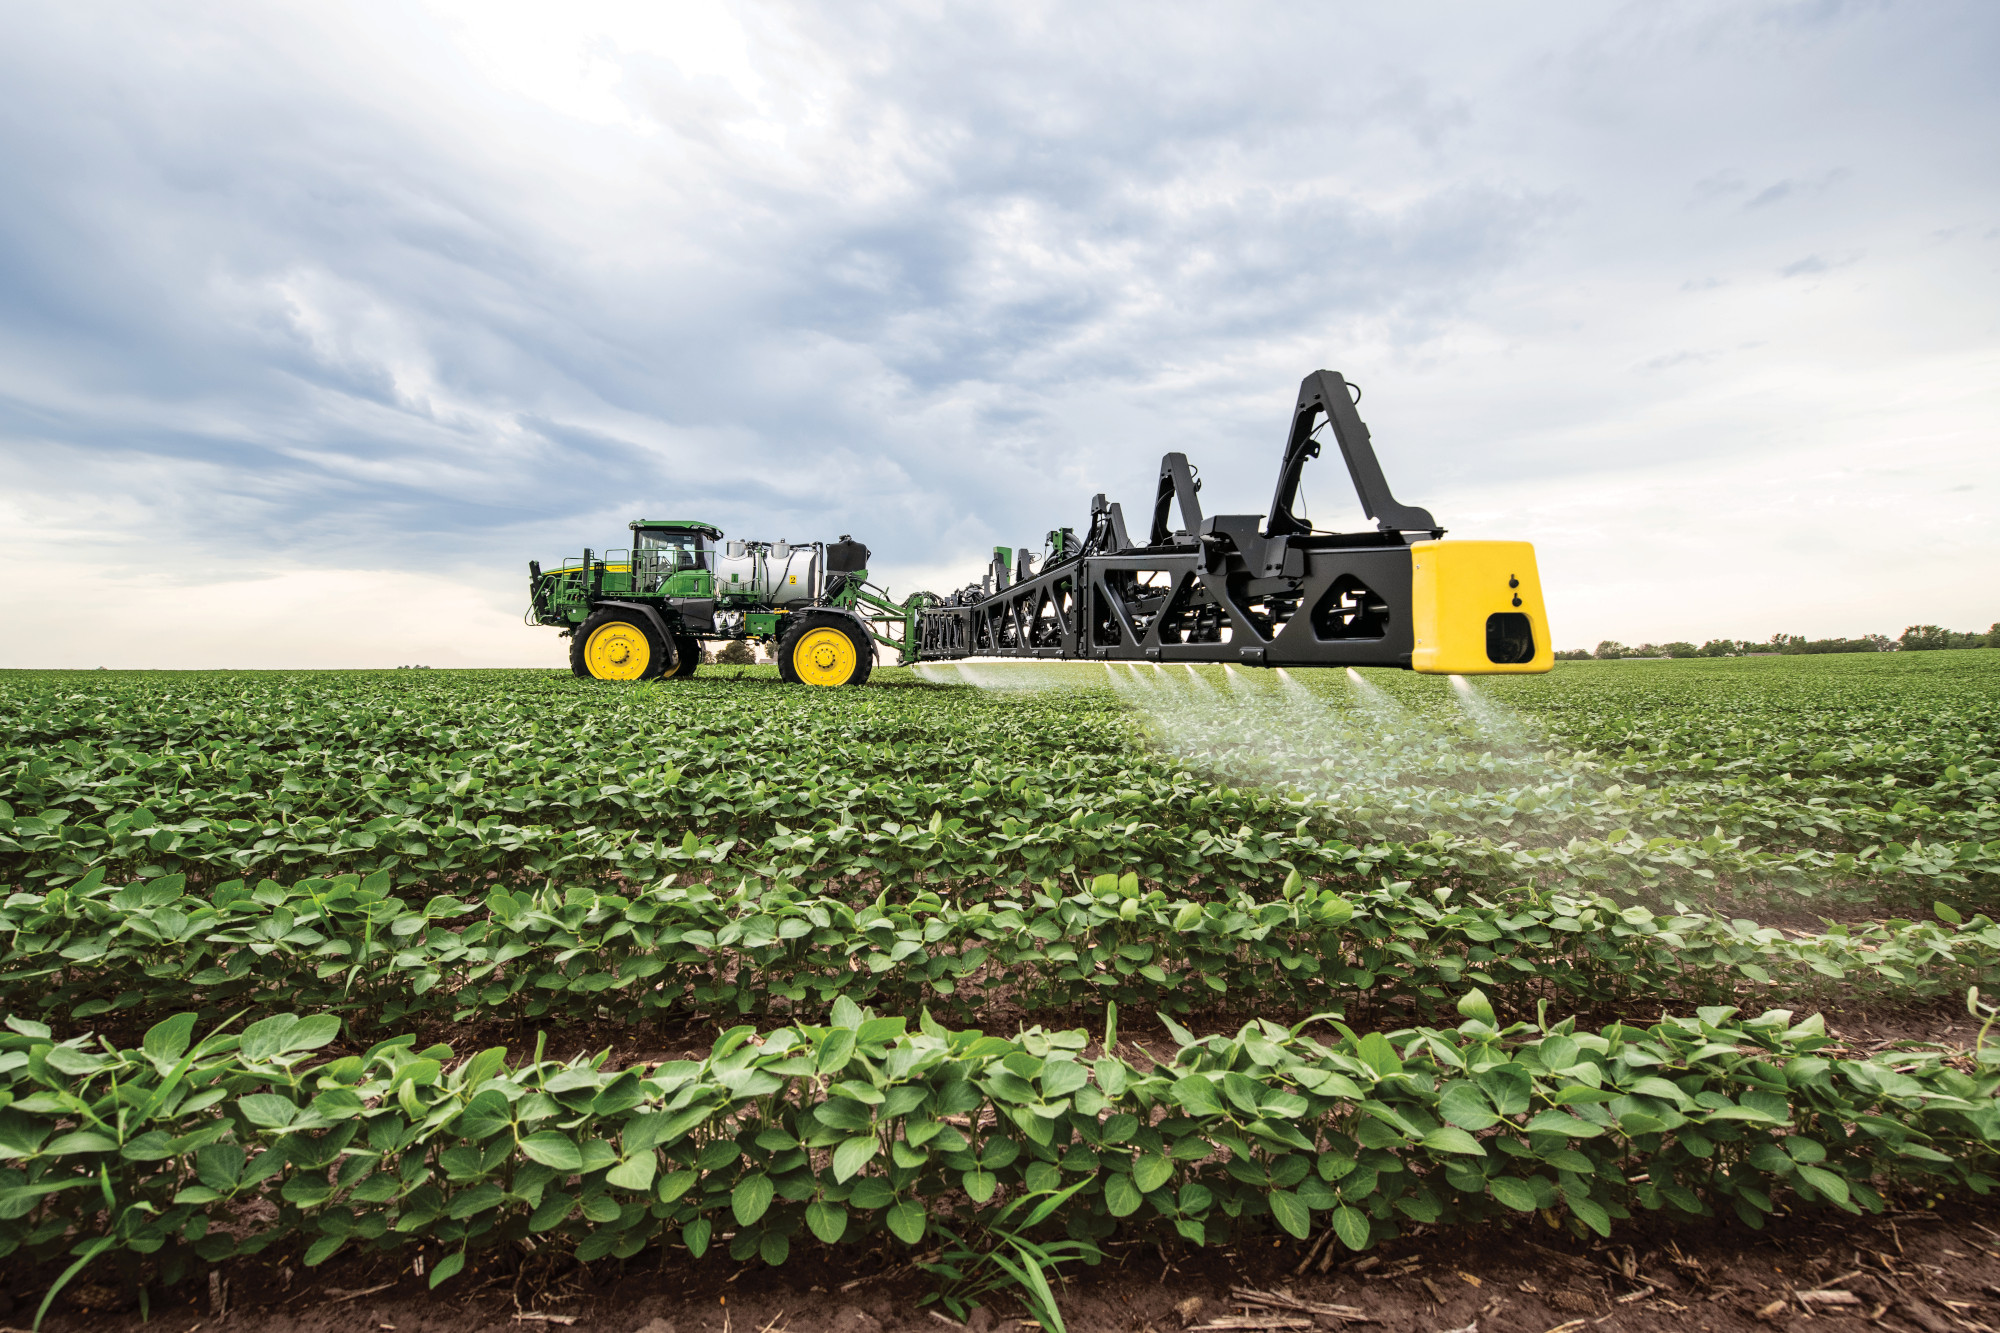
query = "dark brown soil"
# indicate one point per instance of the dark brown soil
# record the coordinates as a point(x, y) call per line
point(1910, 1269)
point(1142, 1037)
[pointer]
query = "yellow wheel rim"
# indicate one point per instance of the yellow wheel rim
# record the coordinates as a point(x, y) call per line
point(617, 650)
point(825, 657)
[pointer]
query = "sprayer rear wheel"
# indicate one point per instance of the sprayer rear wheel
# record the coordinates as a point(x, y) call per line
point(827, 651)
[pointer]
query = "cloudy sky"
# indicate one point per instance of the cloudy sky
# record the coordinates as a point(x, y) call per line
point(317, 322)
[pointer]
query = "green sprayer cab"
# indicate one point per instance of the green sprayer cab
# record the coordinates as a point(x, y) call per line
point(642, 611)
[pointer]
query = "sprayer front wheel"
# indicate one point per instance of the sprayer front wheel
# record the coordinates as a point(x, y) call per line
point(687, 650)
point(620, 645)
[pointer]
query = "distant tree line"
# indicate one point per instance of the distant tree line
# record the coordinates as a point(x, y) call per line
point(1915, 639)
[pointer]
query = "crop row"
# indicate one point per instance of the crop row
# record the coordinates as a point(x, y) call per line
point(845, 1131)
point(1225, 836)
point(1865, 808)
point(510, 774)
point(354, 947)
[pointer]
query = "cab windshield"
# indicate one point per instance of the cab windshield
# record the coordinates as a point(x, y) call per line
point(670, 549)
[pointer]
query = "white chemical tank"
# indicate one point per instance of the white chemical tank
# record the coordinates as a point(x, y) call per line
point(736, 571)
point(780, 574)
point(791, 570)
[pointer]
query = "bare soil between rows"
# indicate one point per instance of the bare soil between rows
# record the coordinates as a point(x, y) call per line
point(1924, 1270)
point(1857, 1029)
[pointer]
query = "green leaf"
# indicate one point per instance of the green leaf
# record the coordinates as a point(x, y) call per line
point(1592, 1214)
point(826, 1220)
point(447, 1268)
point(1292, 1214)
point(1447, 1138)
point(1151, 1170)
point(323, 1249)
point(908, 1221)
point(695, 1236)
point(167, 1040)
point(1422, 1206)
point(553, 1149)
point(852, 1155)
point(310, 1034)
point(1558, 1052)
point(1513, 1193)
point(1555, 1122)
point(267, 1110)
point(1352, 1226)
point(1121, 1197)
point(1945, 913)
point(751, 1198)
point(835, 1050)
point(1334, 910)
point(1378, 1054)
point(1827, 1183)
point(871, 1192)
point(634, 1173)
point(1062, 1077)
point(1661, 1088)
point(266, 1038)
point(1463, 1104)
point(153, 1146)
point(1474, 1004)
point(1196, 1096)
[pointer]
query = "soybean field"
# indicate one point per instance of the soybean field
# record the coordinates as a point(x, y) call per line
point(980, 973)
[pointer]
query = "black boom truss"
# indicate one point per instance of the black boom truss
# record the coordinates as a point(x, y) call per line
point(1261, 589)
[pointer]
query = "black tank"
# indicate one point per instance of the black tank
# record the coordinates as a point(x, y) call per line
point(846, 556)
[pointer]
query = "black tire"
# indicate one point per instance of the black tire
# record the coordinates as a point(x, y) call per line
point(795, 626)
point(660, 655)
point(687, 652)
point(864, 647)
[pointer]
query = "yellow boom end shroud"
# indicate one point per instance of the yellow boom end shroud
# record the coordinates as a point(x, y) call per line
point(1476, 609)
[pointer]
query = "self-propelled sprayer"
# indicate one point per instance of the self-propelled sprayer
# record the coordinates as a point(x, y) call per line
point(1250, 589)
